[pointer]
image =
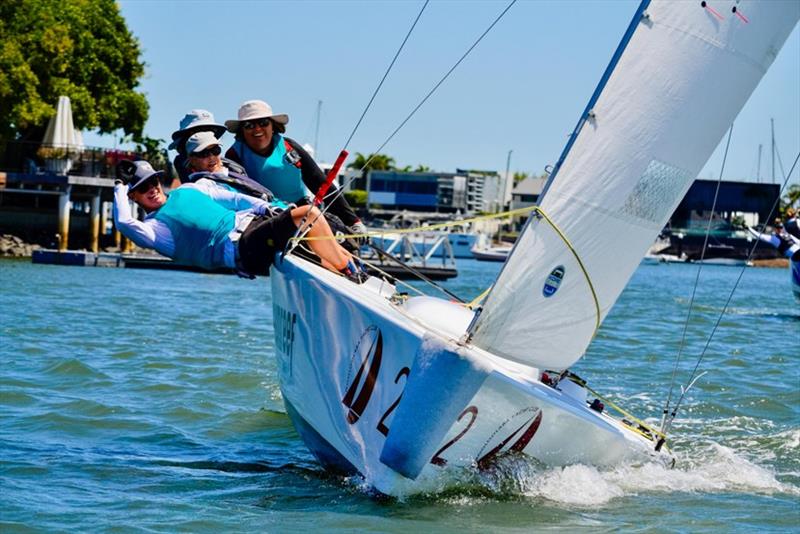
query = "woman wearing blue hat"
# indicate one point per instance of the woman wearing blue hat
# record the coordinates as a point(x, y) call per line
point(278, 162)
point(197, 120)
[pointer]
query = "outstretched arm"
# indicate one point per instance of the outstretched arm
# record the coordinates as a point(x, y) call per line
point(230, 199)
point(141, 233)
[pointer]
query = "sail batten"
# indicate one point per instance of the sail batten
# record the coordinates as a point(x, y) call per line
point(670, 93)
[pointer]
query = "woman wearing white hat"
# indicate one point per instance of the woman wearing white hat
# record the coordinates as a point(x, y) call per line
point(197, 120)
point(278, 162)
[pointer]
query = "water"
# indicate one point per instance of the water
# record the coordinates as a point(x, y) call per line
point(147, 401)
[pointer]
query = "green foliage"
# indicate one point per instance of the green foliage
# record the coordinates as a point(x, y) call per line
point(78, 48)
point(153, 150)
point(356, 198)
point(372, 162)
point(791, 199)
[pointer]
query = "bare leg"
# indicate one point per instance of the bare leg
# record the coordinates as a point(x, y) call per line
point(333, 256)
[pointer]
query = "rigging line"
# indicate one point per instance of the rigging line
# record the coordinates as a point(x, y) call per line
point(340, 191)
point(696, 283)
point(415, 272)
point(440, 82)
point(375, 93)
point(730, 295)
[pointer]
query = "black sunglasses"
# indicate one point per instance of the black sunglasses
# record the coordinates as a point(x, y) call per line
point(145, 186)
point(213, 151)
point(249, 125)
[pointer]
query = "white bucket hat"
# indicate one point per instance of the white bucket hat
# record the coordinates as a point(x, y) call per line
point(195, 120)
point(255, 109)
point(200, 141)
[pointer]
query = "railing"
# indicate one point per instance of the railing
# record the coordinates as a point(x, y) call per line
point(37, 158)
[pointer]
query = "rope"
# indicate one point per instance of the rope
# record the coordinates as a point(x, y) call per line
point(426, 228)
point(440, 82)
point(696, 283)
point(416, 273)
point(375, 93)
point(730, 296)
point(340, 191)
point(626, 414)
point(510, 213)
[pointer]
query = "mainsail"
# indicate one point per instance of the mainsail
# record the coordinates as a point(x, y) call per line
point(677, 81)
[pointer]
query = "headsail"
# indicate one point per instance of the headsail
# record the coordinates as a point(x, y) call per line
point(677, 81)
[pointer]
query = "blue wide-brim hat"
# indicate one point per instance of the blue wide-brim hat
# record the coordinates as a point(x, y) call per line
point(197, 120)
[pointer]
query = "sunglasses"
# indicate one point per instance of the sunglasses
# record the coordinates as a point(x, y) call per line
point(213, 151)
point(145, 186)
point(249, 125)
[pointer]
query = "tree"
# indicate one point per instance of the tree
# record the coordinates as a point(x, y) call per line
point(78, 48)
point(372, 162)
point(791, 199)
point(356, 198)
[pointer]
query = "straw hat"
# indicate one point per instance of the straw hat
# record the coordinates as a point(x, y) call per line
point(255, 109)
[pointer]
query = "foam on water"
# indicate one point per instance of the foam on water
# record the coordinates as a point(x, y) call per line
point(711, 468)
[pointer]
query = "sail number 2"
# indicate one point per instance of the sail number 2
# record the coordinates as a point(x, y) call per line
point(369, 354)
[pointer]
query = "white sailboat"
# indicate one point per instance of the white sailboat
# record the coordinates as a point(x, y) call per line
point(397, 388)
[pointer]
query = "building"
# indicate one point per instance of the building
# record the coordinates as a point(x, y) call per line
point(435, 192)
point(431, 192)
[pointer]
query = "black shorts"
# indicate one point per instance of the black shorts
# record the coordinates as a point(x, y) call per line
point(262, 238)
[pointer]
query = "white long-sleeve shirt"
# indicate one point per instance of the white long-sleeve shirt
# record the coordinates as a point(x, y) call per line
point(154, 234)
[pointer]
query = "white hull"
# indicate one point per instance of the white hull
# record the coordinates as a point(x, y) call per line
point(491, 253)
point(354, 365)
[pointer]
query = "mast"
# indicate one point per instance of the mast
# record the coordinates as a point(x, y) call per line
point(772, 127)
point(505, 182)
point(758, 171)
point(316, 132)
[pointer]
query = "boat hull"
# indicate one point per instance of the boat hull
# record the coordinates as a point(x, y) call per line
point(794, 274)
point(381, 388)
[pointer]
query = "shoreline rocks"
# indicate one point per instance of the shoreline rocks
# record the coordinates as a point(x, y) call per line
point(13, 246)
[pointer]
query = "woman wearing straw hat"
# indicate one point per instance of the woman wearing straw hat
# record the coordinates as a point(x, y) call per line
point(278, 162)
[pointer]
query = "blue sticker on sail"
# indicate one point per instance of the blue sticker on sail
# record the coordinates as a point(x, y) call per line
point(553, 281)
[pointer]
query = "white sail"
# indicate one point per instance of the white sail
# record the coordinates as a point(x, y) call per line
point(674, 86)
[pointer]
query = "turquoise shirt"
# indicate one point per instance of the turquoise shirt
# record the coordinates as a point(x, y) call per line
point(275, 172)
point(199, 226)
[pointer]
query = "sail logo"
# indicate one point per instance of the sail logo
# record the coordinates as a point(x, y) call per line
point(284, 321)
point(553, 281)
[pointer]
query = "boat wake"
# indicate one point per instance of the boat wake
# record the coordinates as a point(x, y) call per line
point(714, 468)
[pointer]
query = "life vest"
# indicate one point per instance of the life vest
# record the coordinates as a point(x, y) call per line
point(279, 172)
point(199, 227)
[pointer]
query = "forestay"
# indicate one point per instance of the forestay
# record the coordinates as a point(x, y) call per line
point(676, 83)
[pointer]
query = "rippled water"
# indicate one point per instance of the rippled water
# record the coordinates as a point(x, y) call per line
point(148, 400)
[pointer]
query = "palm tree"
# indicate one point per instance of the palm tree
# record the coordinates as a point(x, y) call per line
point(372, 162)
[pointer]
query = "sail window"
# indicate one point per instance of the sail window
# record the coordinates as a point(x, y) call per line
point(659, 188)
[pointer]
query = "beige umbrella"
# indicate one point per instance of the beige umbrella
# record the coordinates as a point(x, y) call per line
point(61, 140)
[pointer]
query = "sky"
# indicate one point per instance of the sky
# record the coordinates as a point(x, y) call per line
point(522, 89)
